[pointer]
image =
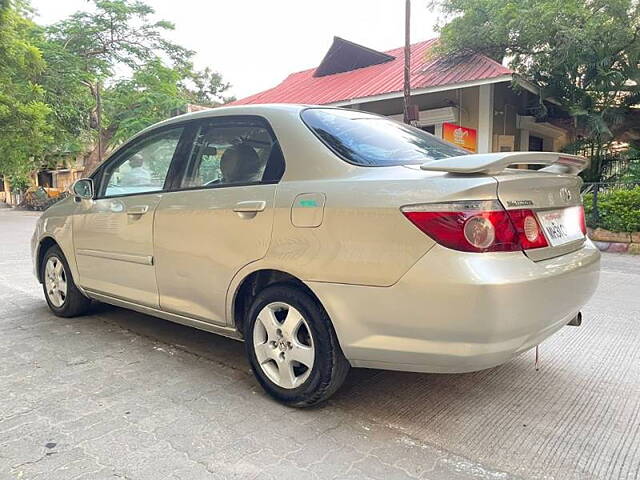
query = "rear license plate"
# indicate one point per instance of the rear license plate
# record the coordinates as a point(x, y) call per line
point(562, 225)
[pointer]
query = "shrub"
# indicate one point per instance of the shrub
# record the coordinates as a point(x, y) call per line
point(587, 201)
point(618, 210)
point(19, 182)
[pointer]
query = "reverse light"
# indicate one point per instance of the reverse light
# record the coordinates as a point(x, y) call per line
point(531, 230)
point(477, 226)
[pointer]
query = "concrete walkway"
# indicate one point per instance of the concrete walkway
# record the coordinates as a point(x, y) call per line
point(117, 394)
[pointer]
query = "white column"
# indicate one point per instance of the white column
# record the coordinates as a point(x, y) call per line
point(485, 119)
point(524, 140)
point(438, 130)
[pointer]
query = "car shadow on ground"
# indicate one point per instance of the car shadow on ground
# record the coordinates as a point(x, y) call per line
point(365, 390)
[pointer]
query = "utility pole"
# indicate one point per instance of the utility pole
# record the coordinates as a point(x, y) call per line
point(407, 61)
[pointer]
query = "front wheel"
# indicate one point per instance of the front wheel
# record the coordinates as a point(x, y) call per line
point(292, 347)
point(60, 291)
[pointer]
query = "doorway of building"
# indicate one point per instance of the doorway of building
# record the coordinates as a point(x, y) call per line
point(535, 143)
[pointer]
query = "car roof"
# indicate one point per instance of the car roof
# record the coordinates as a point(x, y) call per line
point(260, 109)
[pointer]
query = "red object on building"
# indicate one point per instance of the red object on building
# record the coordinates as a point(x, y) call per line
point(383, 77)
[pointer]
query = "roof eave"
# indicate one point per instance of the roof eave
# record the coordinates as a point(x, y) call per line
point(531, 87)
point(420, 91)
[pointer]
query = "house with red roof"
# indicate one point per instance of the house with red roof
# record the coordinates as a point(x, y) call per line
point(470, 100)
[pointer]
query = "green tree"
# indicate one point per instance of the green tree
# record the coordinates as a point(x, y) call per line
point(584, 54)
point(152, 94)
point(25, 130)
point(155, 92)
point(206, 87)
point(50, 79)
point(88, 47)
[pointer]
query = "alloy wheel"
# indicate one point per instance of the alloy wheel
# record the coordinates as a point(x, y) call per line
point(55, 279)
point(283, 345)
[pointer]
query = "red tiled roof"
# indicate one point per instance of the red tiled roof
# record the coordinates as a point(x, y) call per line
point(303, 87)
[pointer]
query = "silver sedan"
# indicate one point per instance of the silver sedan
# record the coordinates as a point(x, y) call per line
point(326, 239)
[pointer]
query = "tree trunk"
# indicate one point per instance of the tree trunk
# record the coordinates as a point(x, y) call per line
point(92, 159)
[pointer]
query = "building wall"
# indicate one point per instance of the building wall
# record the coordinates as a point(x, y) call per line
point(501, 132)
point(508, 104)
point(465, 99)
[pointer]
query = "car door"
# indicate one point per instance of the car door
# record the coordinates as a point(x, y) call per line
point(219, 216)
point(113, 234)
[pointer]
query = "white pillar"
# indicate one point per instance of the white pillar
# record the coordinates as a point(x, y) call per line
point(438, 130)
point(485, 119)
point(524, 140)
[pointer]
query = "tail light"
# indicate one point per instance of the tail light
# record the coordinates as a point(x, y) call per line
point(583, 221)
point(482, 226)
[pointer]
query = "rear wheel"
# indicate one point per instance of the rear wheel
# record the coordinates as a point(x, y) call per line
point(292, 347)
point(60, 291)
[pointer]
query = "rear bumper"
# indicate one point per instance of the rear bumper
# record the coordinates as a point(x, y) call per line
point(456, 312)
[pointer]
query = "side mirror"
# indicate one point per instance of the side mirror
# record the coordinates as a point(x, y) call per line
point(83, 189)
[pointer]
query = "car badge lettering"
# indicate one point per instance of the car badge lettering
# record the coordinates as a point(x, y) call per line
point(519, 203)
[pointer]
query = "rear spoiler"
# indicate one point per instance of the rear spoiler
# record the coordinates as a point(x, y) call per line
point(494, 163)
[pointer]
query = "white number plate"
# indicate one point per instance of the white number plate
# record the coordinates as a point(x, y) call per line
point(561, 226)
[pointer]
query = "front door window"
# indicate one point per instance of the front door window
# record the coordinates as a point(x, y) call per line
point(142, 168)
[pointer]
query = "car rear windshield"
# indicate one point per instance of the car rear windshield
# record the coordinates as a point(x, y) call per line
point(373, 141)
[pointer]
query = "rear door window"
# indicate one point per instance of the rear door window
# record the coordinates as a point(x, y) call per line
point(233, 151)
point(373, 141)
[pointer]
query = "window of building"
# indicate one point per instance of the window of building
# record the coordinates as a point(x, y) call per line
point(535, 144)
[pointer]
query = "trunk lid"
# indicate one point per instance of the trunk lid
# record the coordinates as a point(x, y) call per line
point(555, 199)
point(552, 193)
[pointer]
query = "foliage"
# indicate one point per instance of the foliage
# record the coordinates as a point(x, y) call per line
point(618, 210)
point(19, 181)
point(155, 92)
point(50, 78)
point(150, 95)
point(208, 88)
point(633, 172)
point(118, 32)
point(584, 54)
point(23, 112)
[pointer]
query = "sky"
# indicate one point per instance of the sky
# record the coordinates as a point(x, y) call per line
point(255, 44)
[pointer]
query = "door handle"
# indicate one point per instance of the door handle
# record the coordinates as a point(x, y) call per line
point(248, 210)
point(138, 210)
point(250, 207)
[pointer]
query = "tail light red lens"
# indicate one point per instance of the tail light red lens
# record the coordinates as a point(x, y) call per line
point(529, 232)
point(482, 226)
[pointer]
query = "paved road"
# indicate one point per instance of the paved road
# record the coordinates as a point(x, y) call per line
point(117, 394)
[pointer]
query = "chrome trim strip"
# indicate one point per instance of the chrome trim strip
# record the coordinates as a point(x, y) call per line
point(229, 332)
point(122, 257)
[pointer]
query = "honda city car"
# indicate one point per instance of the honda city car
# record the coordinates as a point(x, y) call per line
point(325, 239)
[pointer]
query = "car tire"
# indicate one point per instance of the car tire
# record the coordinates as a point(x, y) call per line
point(282, 324)
point(60, 291)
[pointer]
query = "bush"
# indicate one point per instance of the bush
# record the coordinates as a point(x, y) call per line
point(618, 210)
point(587, 201)
point(19, 182)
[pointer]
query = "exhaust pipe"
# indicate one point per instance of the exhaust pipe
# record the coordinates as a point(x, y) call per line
point(576, 321)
